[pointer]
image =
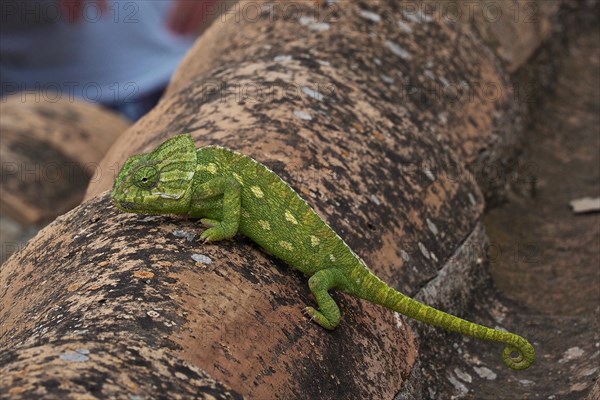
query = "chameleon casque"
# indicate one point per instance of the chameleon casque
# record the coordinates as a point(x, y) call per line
point(233, 193)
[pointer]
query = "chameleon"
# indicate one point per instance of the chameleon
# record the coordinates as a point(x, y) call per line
point(232, 193)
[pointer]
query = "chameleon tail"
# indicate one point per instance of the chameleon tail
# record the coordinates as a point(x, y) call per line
point(518, 354)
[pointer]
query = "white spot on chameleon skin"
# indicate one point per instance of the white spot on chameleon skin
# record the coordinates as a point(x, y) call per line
point(212, 168)
point(290, 218)
point(286, 245)
point(314, 241)
point(332, 258)
point(264, 224)
point(238, 178)
point(169, 196)
point(245, 213)
point(257, 192)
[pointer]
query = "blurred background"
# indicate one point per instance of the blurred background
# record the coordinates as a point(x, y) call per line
point(119, 54)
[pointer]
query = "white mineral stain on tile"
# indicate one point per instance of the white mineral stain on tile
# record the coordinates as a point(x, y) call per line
point(306, 20)
point(404, 255)
point(302, 115)
point(418, 16)
point(75, 356)
point(432, 226)
point(430, 75)
point(282, 58)
point(371, 16)
point(398, 320)
point(571, 354)
point(375, 200)
point(463, 376)
point(462, 389)
point(424, 250)
point(485, 373)
point(319, 26)
point(398, 50)
point(404, 26)
point(201, 258)
point(313, 24)
point(312, 93)
point(387, 79)
point(472, 199)
point(430, 175)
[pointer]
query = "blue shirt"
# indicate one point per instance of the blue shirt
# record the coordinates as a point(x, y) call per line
point(109, 57)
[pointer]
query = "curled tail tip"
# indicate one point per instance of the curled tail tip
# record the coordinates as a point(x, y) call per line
point(524, 359)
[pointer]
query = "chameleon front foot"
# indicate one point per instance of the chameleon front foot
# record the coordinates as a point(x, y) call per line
point(218, 230)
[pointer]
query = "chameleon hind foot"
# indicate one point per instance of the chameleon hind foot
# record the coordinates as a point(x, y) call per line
point(328, 314)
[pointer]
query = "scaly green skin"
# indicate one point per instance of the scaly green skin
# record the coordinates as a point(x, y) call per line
point(233, 193)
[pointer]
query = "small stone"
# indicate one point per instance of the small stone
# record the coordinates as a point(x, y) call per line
point(201, 258)
point(185, 234)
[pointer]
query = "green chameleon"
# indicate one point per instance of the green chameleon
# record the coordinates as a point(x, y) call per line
point(234, 193)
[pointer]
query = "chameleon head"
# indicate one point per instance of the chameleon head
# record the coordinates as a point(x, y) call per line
point(158, 182)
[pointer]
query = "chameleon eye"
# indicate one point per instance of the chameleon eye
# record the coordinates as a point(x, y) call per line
point(146, 177)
